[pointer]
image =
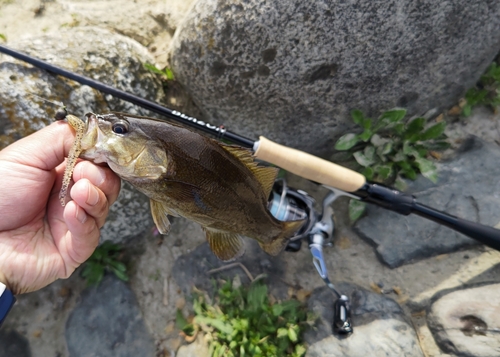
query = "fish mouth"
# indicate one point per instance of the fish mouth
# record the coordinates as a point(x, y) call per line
point(90, 135)
point(91, 138)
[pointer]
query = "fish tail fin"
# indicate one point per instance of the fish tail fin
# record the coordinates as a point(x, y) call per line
point(280, 242)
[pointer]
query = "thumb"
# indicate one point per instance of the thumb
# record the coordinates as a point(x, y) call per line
point(45, 149)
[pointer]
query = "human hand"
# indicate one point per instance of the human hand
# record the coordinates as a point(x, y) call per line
point(40, 240)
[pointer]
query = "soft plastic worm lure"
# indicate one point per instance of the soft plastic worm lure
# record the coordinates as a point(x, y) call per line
point(77, 124)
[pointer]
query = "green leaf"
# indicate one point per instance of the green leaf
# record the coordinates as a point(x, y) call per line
point(437, 145)
point(346, 142)
point(384, 150)
point(405, 165)
point(118, 265)
point(152, 68)
point(358, 117)
point(409, 150)
point(180, 320)
point(466, 110)
point(277, 309)
point(400, 184)
point(433, 132)
point(3, 37)
point(414, 128)
point(169, 74)
point(427, 169)
point(399, 128)
point(300, 350)
point(356, 209)
point(362, 159)
point(282, 332)
point(368, 172)
point(399, 157)
point(218, 324)
point(365, 135)
point(120, 274)
point(378, 141)
point(257, 295)
point(369, 152)
point(292, 334)
point(93, 273)
point(384, 171)
point(393, 115)
point(367, 124)
point(410, 173)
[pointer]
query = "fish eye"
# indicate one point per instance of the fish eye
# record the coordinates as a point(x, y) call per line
point(120, 127)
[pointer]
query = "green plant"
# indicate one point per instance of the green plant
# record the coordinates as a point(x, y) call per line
point(243, 322)
point(166, 73)
point(105, 258)
point(486, 92)
point(389, 149)
point(3, 37)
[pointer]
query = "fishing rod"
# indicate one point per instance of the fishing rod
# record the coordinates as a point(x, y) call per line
point(344, 181)
point(289, 204)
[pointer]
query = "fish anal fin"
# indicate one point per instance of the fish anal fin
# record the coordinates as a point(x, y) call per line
point(226, 246)
point(279, 243)
point(159, 213)
point(265, 175)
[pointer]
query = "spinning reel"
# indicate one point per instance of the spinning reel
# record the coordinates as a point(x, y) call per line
point(287, 204)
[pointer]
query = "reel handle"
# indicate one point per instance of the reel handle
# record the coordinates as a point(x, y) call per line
point(308, 166)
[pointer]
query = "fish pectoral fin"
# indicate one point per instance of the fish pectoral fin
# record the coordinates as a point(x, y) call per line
point(160, 216)
point(279, 243)
point(226, 246)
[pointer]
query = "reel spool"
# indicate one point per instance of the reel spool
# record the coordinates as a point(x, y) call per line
point(288, 204)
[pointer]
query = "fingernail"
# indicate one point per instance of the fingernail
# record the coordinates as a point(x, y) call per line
point(80, 214)
point(96, 175)
point(93, 196)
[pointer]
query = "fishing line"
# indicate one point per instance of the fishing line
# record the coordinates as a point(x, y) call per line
point(57, 104)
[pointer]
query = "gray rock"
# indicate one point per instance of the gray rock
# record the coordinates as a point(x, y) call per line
point(293, 70)
point(188, 274)
point(465, 322)
point(111, 58)
point(107, 322)
point(380, 326)
point(199, 348)
point(129, 217)
point(468, 187)
point(13, 344)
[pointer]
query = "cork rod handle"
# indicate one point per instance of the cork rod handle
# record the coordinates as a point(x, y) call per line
point(308, 166)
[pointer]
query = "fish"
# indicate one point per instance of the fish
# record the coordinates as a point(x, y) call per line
point(187, 174)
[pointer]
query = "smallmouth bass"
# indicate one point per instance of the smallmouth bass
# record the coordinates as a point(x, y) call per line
point(187, 174)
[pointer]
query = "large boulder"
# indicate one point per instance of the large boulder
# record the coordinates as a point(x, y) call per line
point(293, 70)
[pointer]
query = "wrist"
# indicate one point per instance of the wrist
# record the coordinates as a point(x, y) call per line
point(7, 300)
point(3, 280)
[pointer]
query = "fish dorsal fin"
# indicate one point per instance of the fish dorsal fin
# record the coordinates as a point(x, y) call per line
point(265, 175)
point(226, 246)
point(159, 213)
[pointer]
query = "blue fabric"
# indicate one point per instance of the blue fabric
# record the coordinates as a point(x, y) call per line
point(6, 302)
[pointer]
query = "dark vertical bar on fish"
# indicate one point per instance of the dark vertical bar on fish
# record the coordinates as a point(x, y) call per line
point(218, 131)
